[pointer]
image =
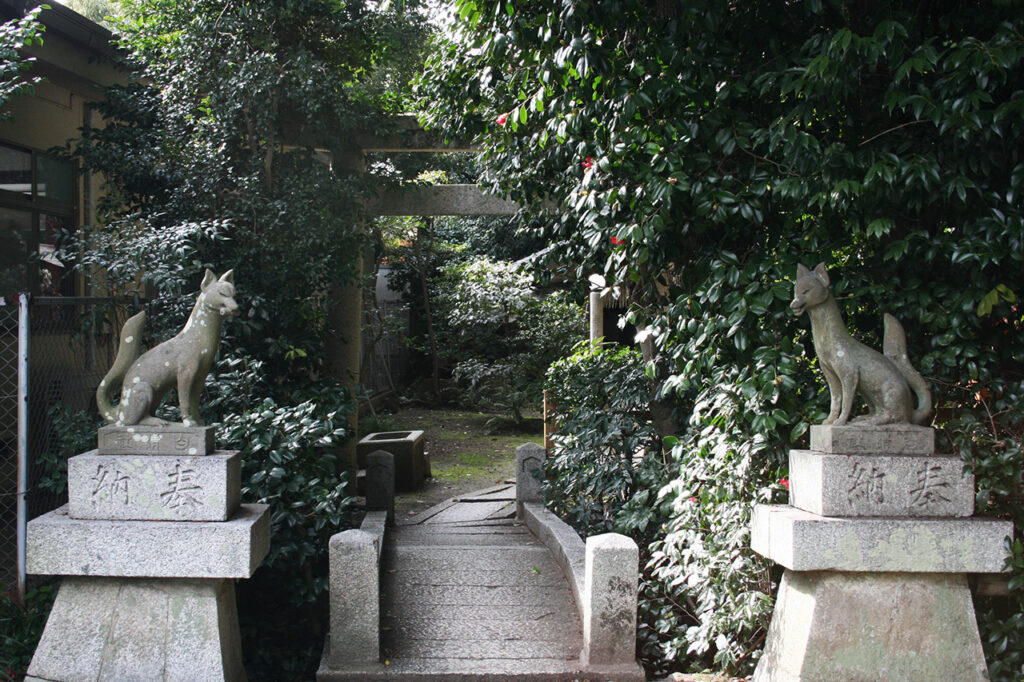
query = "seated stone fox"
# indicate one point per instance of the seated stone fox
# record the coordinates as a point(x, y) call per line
point(181, 362)
point(885, 381)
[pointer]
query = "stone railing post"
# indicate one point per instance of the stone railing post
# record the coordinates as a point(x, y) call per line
point(610, 600)
point(529, 472)
point(355, 600)
point(380, 483)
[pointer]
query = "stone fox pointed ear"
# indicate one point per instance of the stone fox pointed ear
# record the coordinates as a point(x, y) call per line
point(228, 277)
point(208, 279)
point(801, 270)
point(822, 273)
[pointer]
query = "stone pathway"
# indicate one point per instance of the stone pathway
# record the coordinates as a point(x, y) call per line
point(469, 594)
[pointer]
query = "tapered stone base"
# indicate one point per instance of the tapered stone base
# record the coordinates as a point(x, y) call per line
point(141, 629)
point(869, 627)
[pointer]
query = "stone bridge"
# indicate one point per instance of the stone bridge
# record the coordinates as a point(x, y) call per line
point(490, 586)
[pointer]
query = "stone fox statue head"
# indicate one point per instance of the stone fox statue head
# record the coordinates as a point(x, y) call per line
point(181, 362)
point(888, 383)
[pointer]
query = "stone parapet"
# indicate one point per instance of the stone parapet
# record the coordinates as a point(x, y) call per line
point(880, 485)
point(60, 545)
point(603, 574)
point(354, 557)
point(529, 474)
point(172, 439)
point(802, 541)
point(610, 600)
point(154, 487)
point(891, 439)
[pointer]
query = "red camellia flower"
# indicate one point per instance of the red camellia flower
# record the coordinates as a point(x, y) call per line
point(617, 241)
point(784, 482)
point(501, 120)
point(588, 163)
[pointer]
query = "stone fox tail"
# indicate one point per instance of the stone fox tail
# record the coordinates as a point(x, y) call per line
point(894, 347)
point(181, 362)
point(888, 383)
point(127, 353)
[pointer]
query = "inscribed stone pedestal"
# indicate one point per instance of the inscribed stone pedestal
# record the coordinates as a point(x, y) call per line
point(172, 439)
point(154, 487)
point(880, 485)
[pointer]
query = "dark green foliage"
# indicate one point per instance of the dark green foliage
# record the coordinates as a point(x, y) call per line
point(15, 35)
point(500, 336)
point(74, 432)
point(289, 463)
point(499, 238)
point(20, 630)
point(598, 398)
point(692, 153)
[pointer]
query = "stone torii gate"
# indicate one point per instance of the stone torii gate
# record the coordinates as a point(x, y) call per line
point(344, 351)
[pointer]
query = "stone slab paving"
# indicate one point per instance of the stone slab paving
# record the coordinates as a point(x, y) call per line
point(467, 596)
point(471, 511)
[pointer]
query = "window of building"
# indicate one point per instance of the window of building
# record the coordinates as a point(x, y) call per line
point(37, 208)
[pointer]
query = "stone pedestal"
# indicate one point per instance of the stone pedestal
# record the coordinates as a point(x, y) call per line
point(149, 545)
point(140, 629)
point(866, 627)
point(876, 542)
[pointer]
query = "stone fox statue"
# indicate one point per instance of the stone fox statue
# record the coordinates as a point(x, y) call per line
point(885, 381)
point(181, 362)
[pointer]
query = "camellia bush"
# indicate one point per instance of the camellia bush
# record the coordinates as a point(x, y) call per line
point(692, 153)
point(501, 334)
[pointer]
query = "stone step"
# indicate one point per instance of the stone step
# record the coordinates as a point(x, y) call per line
point(501, 492)
point(476, 612)
point(547, 574)
point(555, 627)
point(474, 649)
point(463, 670)
point(477, 511)
point(498, 528)
point(514, 557)
point(496, 540)
point(467, 595)
point(485, 523)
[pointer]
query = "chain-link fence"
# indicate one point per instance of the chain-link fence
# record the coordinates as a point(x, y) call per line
point(71, 344)
point(9, 396)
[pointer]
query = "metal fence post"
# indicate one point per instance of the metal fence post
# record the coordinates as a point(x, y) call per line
point(23, 351)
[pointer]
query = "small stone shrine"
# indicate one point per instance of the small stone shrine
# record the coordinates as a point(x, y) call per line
point(878, 536)
point(150, 541)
